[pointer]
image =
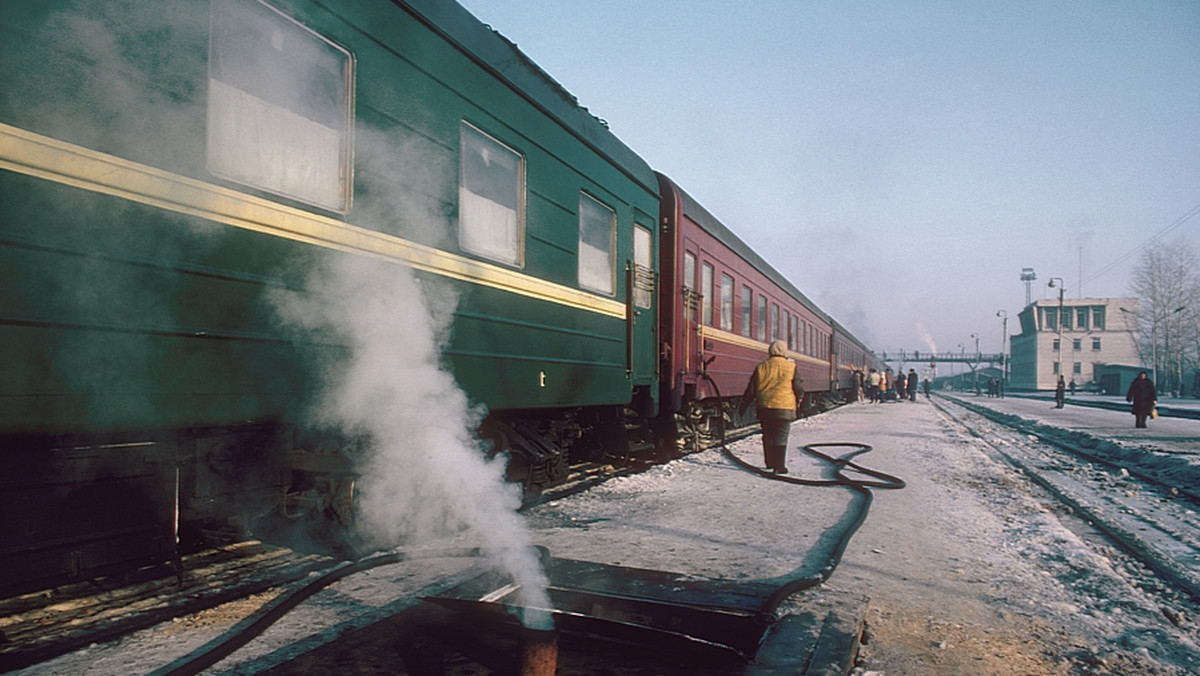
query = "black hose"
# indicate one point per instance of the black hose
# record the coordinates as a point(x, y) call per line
point(257, 622)
point(793, 582)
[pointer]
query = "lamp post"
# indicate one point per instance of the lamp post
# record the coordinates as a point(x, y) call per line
point(1003, 353)
point(1061, 291)
point(978, 361)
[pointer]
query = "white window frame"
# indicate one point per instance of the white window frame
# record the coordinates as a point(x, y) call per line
point(487, 227)
point(597, 244)
point(266, 127)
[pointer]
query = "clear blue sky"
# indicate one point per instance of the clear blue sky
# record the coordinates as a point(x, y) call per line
point(901, 162)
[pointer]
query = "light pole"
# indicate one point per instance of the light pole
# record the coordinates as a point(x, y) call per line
point(1061, 291)
point(978, 361)
point(962, 351)
point(1003, 353)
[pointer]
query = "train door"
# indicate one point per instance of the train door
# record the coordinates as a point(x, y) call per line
point(686, 340)
point(641, 355)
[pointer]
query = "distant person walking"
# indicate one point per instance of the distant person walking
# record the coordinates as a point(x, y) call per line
point(1143, 397)
point(1071, 387)
point(1060, 393)
point(901, 382)
point(777, 391)
point(912, 385)
point(926, 384)
point(873, 385)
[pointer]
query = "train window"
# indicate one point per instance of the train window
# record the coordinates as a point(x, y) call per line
point(689, 285)
point(706, 293)
point(762, 318)
point(491, 197)
point(726, 302)
point(280, 106)
point(597, 227)
point(747, 310)
point(643, 257)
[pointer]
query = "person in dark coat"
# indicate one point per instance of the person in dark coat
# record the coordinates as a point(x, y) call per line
point(1143, 397)
point(777, 390)
point(911, 385)
point(1060, 393)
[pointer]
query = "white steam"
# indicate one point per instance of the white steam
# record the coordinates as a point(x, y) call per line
point(925, 335)
point(426, 475)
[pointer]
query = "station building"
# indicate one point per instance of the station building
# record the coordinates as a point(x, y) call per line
point(1090, 340)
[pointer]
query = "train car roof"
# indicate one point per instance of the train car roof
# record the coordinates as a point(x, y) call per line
point(714, 227)
point(505, 61)
point(845, 333)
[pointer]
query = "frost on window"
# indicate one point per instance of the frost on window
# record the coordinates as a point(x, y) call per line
point(491, 197)
point(597, 225)
point(726, 302)
point(643, 260)
point(747, 309)
point(279, 106)
point(706, 292)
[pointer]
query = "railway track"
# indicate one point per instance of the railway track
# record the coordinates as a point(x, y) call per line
point(1151, 517)
point(41, 625)
point(38, 626)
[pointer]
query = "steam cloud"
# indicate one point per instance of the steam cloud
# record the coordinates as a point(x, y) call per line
point(426, 475)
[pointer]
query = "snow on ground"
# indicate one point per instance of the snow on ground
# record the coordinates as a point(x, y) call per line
point(966, 570)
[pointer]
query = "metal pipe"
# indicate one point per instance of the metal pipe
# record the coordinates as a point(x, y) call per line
point(539, 652)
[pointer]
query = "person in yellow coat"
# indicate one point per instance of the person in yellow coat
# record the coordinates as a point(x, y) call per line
point(777, 391)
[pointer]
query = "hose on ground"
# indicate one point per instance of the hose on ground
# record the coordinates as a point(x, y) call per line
point(257, 622)
point(798, 580)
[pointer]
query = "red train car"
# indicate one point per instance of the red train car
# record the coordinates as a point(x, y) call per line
point(721, 306)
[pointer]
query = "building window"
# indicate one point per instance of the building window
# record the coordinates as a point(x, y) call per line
point(774, 321)
point(1077, 369)
point(597, 228)
point(1098, 317)
point(706, 289)
point(1095, 343)
point(1056, 368)
point(1051, 322)
point(491, 197)
point(747, 310)
point(1081, 317)
point(1077, 344)
point(1066, 319)
point(1056, 345)
point(726, 303)
point(280, 106)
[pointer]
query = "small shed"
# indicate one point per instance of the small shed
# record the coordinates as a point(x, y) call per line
point(1114, 379)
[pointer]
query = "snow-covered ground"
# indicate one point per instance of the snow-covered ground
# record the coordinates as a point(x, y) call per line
point(966, 570)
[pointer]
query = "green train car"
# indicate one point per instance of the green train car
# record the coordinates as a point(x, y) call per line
point(169, 170)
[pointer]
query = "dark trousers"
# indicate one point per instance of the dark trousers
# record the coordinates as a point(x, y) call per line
point(1141, 419)
point(774, 439)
